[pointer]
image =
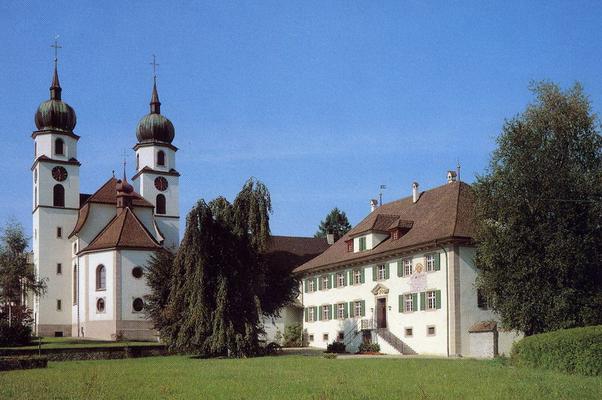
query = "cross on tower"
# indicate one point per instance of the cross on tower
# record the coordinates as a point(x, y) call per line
point(155, 65)
point(124, 155)
point(56, 48)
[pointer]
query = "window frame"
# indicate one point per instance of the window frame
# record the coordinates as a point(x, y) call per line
point(325, 337)
point(357, 276)
point(160, 205)
point(357, 309)
point(101, 278)
point(430, 295)
point(341, 311)
point(161, 158)
point(325, 312)
point(408, 297)
point(408, 267)
point(59, 147)
point(340, 279)
point(104, 305)
point(59, 268)
point(325, 280)
point(311, 285)
point(59, 304)
point(428, 328)
point(408, 331)
point(134, 311)
point(429, 262)
point(311, 317)
point(362, 244)
point(381, 274)
point(58, 195)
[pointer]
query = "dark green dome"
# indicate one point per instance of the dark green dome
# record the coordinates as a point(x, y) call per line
point(55, 114)
point(154, 127)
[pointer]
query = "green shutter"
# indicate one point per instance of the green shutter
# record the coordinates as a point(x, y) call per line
point(363, 308)
point(438, 299)
point(315, 313)
point(305, 285)
point(401, 303)
point(414, 301)
point(374, 273)
point(345, 283)
point(400, 268)
point(316, 282)
point(319, 283)
point(362, 278)
point(319, 316)
point(330, 281)
point(351, 277)
point(437, 261)
point(387, 271)
point(351, 311)
point(422, 300)
point(306, 314)
point(345, 310)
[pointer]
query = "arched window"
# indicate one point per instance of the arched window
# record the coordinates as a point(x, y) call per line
point(101, 277)
point(160, 207)
point(59, 147)
point(160, 158)
point(74, 284)
point(58, 196)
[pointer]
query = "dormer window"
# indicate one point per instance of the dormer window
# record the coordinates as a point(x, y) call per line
point(362, 244)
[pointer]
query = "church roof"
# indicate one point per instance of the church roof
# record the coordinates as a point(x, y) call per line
point(107, 194)
point(442, 213)
point(124, 231)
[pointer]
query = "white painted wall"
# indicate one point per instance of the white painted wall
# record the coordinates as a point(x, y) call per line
point(105, 258)
point(132, 287)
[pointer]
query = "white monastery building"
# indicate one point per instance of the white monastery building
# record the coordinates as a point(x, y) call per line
point(92, 249)
point(404, 277)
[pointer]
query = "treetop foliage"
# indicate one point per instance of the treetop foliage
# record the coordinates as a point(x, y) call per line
point(335, 222)
point(539, 215)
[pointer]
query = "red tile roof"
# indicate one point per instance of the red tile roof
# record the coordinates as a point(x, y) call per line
point(441, 213)
point(124, 231)
point(107, 194)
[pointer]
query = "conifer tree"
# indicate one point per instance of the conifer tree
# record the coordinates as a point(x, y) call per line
point(335, 222)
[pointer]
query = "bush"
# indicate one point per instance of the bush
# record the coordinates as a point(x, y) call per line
point(18, 332)
point(336, 347)
point(292, 335)
point(329, 356)
point(12, 363)
point(272, 348)
point(369, 348)
point(577, 350)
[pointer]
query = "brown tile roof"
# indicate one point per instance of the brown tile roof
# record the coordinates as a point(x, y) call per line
point(107, 194)
point(124, 231)
point(444, 212)
point(288, 252)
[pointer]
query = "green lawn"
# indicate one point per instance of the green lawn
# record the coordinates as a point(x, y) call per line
point(292, 377)
point(67, 342)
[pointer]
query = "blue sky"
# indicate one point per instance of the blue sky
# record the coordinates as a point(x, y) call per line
point(323, 101)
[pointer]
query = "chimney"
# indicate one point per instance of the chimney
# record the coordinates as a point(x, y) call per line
point(414, 192)
point(451, 176)
point(373, 204)
point(330, 238)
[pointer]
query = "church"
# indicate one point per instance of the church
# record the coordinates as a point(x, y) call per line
point(92, 249)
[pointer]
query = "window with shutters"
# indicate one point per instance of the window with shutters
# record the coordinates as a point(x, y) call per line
point(340, 279)
point(408, 303)
point(311, 285)
point(362, 243)
point(407, 267)
point(430, 262)
point(357, 277)
point(381, 272)
point(341, 311)
point(325, 313)
point(357, 309)
point(431, 300)
point(325, 281)
point(311, 316)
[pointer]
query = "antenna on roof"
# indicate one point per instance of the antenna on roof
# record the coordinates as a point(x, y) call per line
point(380, 194)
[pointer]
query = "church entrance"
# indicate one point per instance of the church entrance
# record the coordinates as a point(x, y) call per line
point(381, 312)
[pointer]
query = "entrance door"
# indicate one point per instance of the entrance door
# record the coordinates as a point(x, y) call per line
point(381, 313)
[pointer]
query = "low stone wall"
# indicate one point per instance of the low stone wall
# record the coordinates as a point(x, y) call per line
point(90, 353)
point(12, 363)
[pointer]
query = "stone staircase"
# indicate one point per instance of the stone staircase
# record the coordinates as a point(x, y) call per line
point(394, 341)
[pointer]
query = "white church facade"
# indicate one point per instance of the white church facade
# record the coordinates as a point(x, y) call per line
point(404, 277)
point(92, 249)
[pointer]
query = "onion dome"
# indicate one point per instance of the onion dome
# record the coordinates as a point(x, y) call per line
point(154, 127)
point(124, 192)
point(123, 186)
point(55, 114)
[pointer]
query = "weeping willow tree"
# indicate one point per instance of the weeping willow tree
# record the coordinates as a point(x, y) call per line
point(217, 280)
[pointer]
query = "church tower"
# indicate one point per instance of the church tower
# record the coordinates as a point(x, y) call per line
point(156, 178)
point(55, 184)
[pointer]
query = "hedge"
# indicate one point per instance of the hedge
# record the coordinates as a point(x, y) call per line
point(577, 350)
point(12, 363)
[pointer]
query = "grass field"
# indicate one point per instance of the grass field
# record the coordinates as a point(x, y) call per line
point(68, 342)
point(292, 377)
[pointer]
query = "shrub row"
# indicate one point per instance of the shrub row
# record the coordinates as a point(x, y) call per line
point(577, 350)
point(369, 348)
point(11, 363)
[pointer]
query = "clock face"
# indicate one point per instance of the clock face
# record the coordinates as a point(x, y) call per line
point(59, 174)
point(161, 183)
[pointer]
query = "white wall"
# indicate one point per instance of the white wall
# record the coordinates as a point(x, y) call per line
point(105, 258)
point(396, 321)
point(132, 287)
